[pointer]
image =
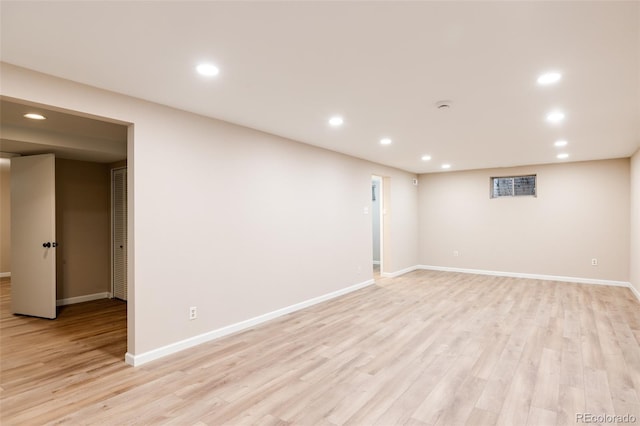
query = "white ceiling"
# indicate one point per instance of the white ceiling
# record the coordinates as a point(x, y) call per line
point(286, 67)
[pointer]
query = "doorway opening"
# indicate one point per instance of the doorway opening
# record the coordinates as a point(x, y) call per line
point(84, 150)
point(377, 209)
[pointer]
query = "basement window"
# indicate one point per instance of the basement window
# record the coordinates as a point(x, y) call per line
point(513, 186)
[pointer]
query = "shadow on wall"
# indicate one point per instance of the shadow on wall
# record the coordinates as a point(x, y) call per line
point(5, 217)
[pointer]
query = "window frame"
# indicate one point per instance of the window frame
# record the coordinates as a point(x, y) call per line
point(513, 191)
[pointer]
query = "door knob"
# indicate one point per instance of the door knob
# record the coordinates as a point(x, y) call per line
point(47, 245)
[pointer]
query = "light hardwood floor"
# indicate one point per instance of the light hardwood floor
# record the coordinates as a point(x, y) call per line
point(427, 348)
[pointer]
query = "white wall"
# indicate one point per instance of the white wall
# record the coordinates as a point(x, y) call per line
point(581, 212)
point(634, 260)
point(226, 218)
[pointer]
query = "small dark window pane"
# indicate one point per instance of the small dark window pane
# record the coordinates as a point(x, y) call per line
point(524, 185)
point(502, 187)
point(513, 186)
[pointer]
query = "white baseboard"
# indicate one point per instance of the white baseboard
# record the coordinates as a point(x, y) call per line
point(578, 280)
point(130, 359)
point(532, 276)
point(5, 274)
point(85, 298)
point(154, 354)
point(400, 272)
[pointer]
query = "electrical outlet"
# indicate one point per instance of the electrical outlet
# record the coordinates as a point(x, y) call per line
point(456, 253)
point(193, 313)
point(594, 262)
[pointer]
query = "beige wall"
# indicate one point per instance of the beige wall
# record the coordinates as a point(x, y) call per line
point(400, 223)
point(234, 221)
point(250, 223)
point(581, 212)
point(5, 216)
point(634, 262)
point(82, 228)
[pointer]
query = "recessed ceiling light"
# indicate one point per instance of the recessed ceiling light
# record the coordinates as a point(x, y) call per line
point(560, 143)
point(35, 116)
point(208, 70)
point(336, 121)
point(555, 116)
point(563, 156)
point(549, 78)
point(385, 141)
point(426, 157)
point(446, 166)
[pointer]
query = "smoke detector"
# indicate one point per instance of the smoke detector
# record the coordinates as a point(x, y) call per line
point(443, 105)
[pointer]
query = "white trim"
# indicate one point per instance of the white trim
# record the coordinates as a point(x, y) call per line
point(85, 298)
point(634, 291)
point(532, 276)
point(5, 274)
point(172, 348)
point(400, 272)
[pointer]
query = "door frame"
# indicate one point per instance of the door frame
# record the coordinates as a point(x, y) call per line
point(385, 238)
point(380, 180)
point(130, 205)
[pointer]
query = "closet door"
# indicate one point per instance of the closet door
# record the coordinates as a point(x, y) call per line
point(119, 226)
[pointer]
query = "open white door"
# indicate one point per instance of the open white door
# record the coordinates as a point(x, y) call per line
point(33, 236)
